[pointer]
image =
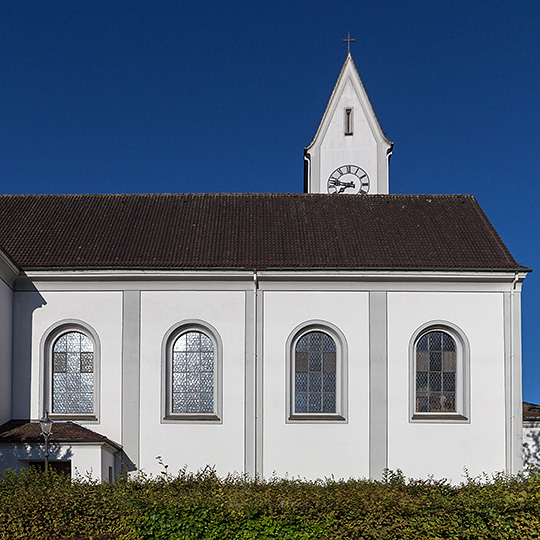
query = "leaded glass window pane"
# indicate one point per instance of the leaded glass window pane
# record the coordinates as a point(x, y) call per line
point(329, 382)
point(301, 382)
point(329, 402)
point(73, 374)
point(87, 362)
point(315, 374)
point(192, 365)
point(59, 362)
point(435, 372)
point(207, 402)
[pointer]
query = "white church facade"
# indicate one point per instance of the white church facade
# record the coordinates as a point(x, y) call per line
point(339, 332)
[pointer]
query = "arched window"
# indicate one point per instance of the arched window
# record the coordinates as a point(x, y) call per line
point(436, 372)
point(440, 374)
point(192, 374)
point(71, 385)
point(317, 373)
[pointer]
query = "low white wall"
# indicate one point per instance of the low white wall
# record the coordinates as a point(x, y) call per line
point(108, 464)
point(87, 461)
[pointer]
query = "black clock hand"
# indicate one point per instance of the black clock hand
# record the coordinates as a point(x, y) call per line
point(340, 183)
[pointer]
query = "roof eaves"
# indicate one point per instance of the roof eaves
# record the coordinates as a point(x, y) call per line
point(19, 436)
point(299, 268)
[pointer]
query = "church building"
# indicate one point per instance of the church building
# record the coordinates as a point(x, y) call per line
point(339, 332)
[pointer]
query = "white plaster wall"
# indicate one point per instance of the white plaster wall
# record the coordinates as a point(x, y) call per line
point(16, 456)
point(85, 459)
point(357, 149)
point(6, 311)
point(195, 444)
point(10, 455)
point(87, 462)
point(443, 450)
point(107, 460)
point(302, 449)
point(103, 312)
point(315, 450)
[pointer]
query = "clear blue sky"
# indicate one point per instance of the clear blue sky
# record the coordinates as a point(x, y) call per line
point(213, 96)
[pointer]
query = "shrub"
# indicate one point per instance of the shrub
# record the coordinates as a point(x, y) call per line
point(35, 506)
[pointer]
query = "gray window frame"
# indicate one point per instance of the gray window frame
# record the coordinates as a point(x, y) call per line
point(51, 335)
point(348, 121)
point(340, 416)
point(462, 398)
point(168, 416)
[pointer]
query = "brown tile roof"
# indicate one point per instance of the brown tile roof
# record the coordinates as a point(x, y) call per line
point(30, 432)
point(246, 231)
point(531, 411)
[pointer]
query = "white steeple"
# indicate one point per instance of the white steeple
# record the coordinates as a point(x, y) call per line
point(349, 153)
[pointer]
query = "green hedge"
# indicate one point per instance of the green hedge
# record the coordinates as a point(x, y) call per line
point(201, 505)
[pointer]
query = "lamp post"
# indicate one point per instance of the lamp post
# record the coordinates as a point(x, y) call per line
point(46, 430)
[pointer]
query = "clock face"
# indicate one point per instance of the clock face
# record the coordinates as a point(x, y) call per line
point(349, 179)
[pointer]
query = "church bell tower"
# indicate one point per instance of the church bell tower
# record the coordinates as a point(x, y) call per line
point(350, 153)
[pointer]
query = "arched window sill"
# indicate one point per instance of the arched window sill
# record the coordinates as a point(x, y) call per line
point(73, 416)
point(316, 418)
point(450, 417)
point(191, 417)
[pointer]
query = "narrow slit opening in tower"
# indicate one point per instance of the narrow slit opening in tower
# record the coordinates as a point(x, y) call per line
point(348, 121)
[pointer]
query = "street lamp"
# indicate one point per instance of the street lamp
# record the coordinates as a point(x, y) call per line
point(46, 430)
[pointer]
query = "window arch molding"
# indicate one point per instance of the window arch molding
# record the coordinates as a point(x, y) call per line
point(341, 386)
point(461, 412)
point(48, 340)
point(170, 338)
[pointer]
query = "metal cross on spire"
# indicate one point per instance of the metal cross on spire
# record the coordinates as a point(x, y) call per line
point(349, 41)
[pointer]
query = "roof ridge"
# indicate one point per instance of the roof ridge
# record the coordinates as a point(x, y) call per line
point(235, 194)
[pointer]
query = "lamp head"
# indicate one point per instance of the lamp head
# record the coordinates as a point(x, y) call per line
point(46, 425)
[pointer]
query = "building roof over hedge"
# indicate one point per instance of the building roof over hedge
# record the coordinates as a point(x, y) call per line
point(25, 431)
point(531, 411)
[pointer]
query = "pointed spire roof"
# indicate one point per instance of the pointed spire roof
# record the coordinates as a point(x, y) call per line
point(349, 70)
